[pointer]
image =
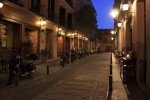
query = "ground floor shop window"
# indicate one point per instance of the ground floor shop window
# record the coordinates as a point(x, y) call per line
point(3, 37)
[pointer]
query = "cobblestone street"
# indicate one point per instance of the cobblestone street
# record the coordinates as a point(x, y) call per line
point(85, 79)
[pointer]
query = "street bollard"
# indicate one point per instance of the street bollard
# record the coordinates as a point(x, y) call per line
point(110, 82)
point(111, 58)
point(110, 69)
point(47, 69)
point(111, 64)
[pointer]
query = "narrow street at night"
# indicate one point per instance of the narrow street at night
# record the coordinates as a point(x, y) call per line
point(85, 79)
point(74, 50)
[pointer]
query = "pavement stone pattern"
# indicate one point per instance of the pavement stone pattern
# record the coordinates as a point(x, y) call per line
point(86, 79)
point(122, 91)
point(85, 86)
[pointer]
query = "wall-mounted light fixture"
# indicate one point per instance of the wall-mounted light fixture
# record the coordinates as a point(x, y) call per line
point(119, 24)
point(125, 5)
point(114, 13)
point(127, 55)
point(61, 32)
point(112, 38)
point(41, 22)
point(86, 38)
point(68, 34)
point(59, 29)
point(1, 14)
point(71, 35)
point(83, 38)
point(113, 32)
point(75, 34)
point(80, 36)
point(1, 5)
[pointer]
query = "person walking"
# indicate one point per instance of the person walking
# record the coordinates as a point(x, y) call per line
point(13, 70)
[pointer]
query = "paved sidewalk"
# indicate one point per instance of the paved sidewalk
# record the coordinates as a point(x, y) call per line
point(122, 91)
point(39, 73)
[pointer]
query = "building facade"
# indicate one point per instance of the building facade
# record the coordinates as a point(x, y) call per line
point(133, 35)
point(47, 23)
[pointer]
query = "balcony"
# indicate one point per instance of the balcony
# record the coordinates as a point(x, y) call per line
point(36, 6)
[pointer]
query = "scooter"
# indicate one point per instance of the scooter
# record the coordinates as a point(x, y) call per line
point(63, 60)
point(72, 56)
point(27, 68)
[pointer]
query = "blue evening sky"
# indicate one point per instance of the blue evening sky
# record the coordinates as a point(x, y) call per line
point(103, 9)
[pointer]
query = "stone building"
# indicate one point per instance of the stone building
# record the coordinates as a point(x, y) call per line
point(47, 23)
point(133, 35)
point(106, 39)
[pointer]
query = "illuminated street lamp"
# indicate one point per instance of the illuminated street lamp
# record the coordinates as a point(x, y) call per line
point(1, 5)
point(112, 32)
point(114, 13)
point(125, 6)
point(1, 14)
point(112, 38)
point(59, 29)
point(119, 24)
point(41, 22)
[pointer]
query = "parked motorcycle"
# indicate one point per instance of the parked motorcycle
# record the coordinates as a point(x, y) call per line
point(72, 56)
point(63, 60)
point(27, 68)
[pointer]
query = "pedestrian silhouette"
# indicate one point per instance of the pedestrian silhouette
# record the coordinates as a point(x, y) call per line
point(13, 70)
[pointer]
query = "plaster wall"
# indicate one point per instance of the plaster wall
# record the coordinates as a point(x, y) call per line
point(148, 47)
point(120, 41)
point(140, 41)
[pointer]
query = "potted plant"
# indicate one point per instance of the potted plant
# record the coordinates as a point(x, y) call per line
point(27, 47)
point(44, 54)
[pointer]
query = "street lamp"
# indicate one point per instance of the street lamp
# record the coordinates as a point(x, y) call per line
point(1, 5)
point(114, 13)
point(59, 30)
point(41, 22)
point(119, 24)
point(75, 34)
point(112, 32)
point(112, 38)
point(125, 6)
point(1, 14)
point(86, 38)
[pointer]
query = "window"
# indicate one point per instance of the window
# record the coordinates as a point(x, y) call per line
point(69, 20)
point(3, 36)
point(62, 16)
point(35, 6)
point(51, 9)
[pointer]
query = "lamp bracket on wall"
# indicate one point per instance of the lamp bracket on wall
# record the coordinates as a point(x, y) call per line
point(43, 31)
point(127, 15)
